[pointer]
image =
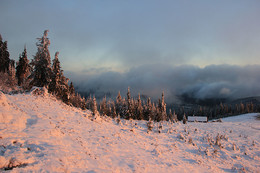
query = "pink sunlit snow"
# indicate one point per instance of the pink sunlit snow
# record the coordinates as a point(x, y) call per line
point(41, 134)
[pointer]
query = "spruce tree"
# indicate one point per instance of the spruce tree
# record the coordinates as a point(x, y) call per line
point(65, 88)
point(41, 75)
point(163, 108)
point(59, 83)
point(94, 106)
point(148, 110)
point(54, 86)
point(114, 112)
point(71, 89)
point(119, 104)
point(129, 104)
point(139, 109)
point(11, 73)
point(4, 56)
point(89, 102)
point(170, 116)
point(83, 105)
point(175, 117)
point(103, 107)
point(22, 68)
point(154, 112)
point(161, 114)
point(150, 125)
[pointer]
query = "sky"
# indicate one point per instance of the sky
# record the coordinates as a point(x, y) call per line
point(119, 38)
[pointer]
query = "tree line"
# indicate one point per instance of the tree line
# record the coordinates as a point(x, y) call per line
point(42, 72)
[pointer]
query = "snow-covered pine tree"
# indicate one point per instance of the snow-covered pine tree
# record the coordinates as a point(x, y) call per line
point(4, 56)
point(7, 67)
point(158, 115)
point(170, 116)
point(139, 108)
point(54, 86)
point(129, 104)
point(148, 110)
point(65, 88)
point(110, 108)
point(163, 109)
point(159, 111)
point(103, 106)
point(89, 103)
point(22, 68)
point(94, 106)
point(154, 112)
point(11, 72)
point(114, 112)
point(59, 83)
point(41, 75)
point(175, 118)
point(71, 89)
point(124, 112)
point(83, 104)
point(150, 125)
point(119, 104)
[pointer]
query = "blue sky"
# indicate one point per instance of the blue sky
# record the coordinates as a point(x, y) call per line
point(99, 36)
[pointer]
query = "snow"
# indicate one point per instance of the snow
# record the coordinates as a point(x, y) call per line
point(197, 118)
point(41, 134)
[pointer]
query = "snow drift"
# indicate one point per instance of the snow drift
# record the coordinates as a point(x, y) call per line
point(41, 134)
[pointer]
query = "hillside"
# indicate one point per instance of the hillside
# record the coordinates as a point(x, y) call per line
point(41, 134)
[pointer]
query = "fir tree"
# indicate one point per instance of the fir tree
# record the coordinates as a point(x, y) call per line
point(129, 104)
point(148, 110)
point(59, 83)
point(89, 103)
point(150, 125)
point(170, 116)
point(22, 68)
point(94, 106)
point(103, 107)
point(154, 112)
point(83, 105)
point(139, 108)
point(11, 73)
point(54, 86)
point(71, 89)
point(114, 112)
point(163, 108)
point(4, 56)
point(41, 75)
point(175, 117)
point(119, 104)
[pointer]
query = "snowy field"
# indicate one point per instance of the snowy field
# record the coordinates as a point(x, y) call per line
point(40, 134)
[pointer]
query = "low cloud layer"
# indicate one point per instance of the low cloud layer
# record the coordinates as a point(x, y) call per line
point(215, 81)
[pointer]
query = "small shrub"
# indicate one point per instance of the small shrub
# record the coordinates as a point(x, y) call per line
point(149, 125)
point(190, 141)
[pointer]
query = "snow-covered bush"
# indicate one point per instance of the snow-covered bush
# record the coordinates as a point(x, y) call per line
point(39, 91)
point(150, 125)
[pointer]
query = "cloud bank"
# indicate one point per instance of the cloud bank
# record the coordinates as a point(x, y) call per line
point(214, 81)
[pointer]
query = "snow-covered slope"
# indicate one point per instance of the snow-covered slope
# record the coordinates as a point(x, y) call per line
point(40, 134)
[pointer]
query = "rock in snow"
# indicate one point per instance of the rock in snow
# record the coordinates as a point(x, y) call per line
point(41, 134)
